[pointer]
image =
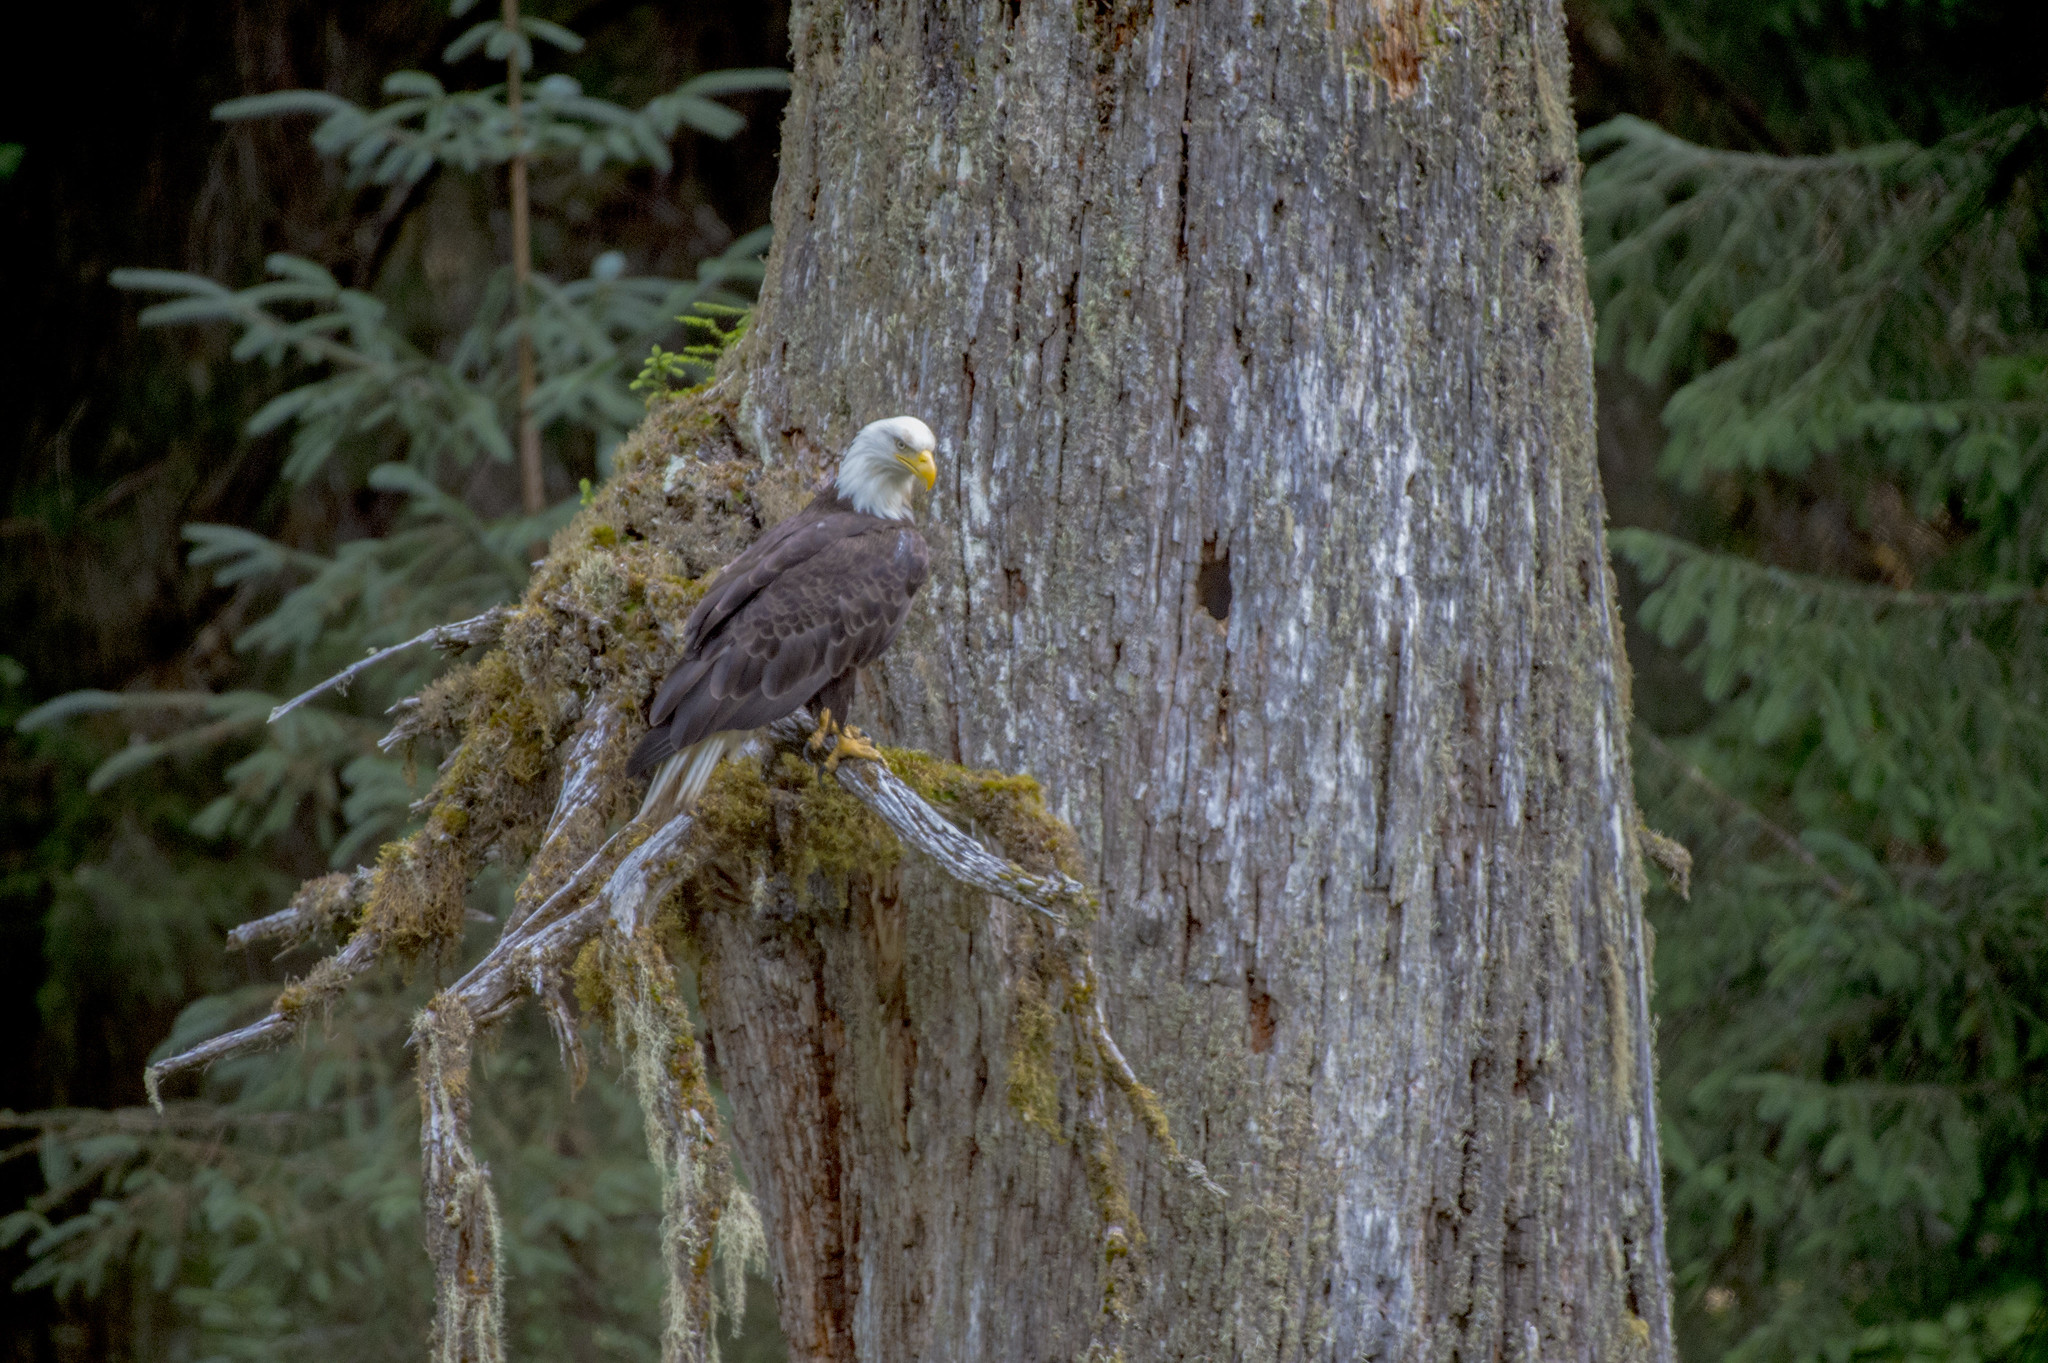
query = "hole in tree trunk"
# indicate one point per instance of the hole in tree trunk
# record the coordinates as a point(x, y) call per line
point(1263, 1023)
point(1212, 582)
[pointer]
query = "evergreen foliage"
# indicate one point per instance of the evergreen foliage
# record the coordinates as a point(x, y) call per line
point(711, 328)
point(1855, 1069)
point(1804, 76)
point(280, 1209)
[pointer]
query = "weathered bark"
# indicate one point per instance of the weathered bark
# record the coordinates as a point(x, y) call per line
point(1269, 537)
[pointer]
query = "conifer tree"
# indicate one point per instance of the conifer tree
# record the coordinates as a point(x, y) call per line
point(1855, 1072)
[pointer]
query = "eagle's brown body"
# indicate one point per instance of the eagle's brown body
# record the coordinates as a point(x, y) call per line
point(786, 625)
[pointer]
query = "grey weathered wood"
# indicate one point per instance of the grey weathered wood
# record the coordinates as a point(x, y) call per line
point(1286, 298)
point(460, 1218)
point(274, 1028)
point(964, 859)
point(478, 629)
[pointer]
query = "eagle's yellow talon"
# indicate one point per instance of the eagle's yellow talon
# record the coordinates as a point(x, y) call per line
point(852, 743)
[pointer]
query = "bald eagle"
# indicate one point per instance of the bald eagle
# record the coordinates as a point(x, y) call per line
point(788, 622)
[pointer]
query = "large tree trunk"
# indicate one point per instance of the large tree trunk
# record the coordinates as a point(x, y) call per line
point(1269, 537)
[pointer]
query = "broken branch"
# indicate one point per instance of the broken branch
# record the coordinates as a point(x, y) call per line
point(329, 978)
point(554, 932)
point(478, 629)
point(463, 1233)
point(319, 905)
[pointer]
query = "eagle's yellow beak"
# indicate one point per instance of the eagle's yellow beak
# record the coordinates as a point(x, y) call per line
point(920, 463)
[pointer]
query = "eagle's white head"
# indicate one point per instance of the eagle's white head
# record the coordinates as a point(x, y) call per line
point(878, 468)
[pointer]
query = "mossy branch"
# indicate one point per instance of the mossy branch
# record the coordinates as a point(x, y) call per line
point(324, 905)
point(652, 1029)
point(327, 980)
point(919, 825)
point(646, 864)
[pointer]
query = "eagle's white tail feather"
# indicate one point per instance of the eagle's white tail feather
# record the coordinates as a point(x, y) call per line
point(681, 779)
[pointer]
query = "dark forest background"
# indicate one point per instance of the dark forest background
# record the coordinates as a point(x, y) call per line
point(1834, 586)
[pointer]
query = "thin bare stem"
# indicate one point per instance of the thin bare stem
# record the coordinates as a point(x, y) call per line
point(1144, 1103)
point(477, 629)
point(1741, 809)
point(531, 487)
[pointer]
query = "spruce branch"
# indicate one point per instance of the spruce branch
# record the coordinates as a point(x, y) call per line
point(1654, 552)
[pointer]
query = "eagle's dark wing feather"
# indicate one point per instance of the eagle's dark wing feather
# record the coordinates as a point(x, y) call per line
point(797, 612)
point(784, 545)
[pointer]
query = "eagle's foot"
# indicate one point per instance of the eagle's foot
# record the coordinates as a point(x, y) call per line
point(852, 743)
point(822, 736)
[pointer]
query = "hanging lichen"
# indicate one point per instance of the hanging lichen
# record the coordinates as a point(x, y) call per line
point(463, 1234)
point(667, 1069)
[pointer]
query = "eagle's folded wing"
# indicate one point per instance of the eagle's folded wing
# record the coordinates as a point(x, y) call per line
point(808, 611)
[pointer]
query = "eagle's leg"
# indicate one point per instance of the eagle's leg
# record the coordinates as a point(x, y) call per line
point(823, 734)
point(852, 743)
